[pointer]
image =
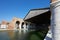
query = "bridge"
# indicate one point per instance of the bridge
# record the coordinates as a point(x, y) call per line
point(40, 17)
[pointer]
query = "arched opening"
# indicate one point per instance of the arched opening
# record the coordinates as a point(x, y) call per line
point(22, 25)
point(17, 24)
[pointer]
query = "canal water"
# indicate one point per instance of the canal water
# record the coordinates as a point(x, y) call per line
point(21, 35)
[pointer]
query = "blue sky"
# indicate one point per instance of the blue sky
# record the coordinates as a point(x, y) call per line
point(19, 8)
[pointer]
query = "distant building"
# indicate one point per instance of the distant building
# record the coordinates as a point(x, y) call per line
point(15, 23)
point(3, 25)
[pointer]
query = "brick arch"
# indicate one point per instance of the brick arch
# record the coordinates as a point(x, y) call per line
point(17, 24)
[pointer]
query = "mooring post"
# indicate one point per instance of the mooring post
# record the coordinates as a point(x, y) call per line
point(55, 19)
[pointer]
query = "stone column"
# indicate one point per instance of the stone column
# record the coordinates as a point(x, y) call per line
point(55, 19)
point(24, 26)
point(20, 25)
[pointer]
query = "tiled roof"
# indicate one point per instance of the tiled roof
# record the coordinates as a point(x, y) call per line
point(35, 12)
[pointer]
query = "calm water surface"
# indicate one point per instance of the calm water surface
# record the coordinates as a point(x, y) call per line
point(20, 35)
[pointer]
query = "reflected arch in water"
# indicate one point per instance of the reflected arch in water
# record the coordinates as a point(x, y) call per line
point(23, 31)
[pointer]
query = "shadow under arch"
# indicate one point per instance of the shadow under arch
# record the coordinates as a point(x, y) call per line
point(17, 24)
point(22, 25)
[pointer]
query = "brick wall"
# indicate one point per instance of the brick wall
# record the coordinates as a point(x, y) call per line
point(53, 0)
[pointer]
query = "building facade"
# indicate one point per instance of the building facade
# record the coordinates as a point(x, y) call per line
point(15, 23)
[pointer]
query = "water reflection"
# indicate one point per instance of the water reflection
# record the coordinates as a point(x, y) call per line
point(20, 35)
point(3, 36)
point(13, 35)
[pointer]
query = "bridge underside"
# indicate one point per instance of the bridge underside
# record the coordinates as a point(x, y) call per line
point(43, 18)
point(42, 21)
